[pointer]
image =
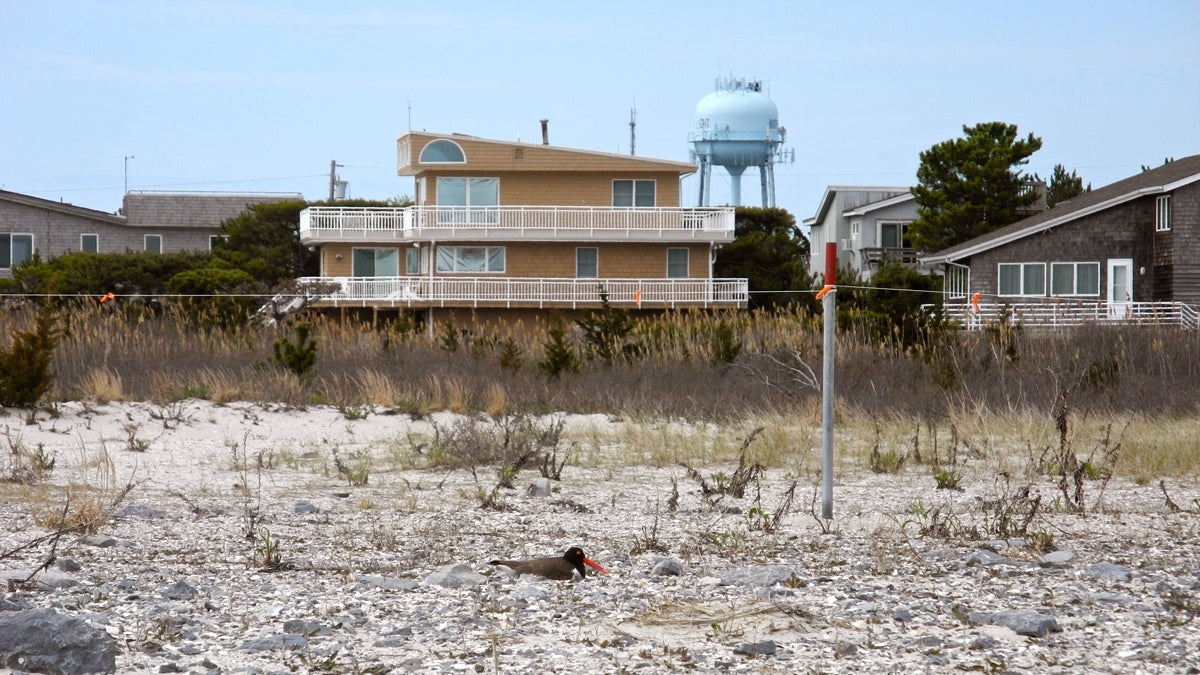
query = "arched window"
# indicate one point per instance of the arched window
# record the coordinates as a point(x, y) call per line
point(443, 151)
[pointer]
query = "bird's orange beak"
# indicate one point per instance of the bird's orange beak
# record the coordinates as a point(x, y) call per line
point(592, 564)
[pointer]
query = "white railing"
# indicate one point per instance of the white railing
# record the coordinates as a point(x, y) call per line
point(425, 223)
point(532, 292)
point(1073, 313)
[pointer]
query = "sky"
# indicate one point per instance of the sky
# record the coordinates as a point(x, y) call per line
point(235, 96)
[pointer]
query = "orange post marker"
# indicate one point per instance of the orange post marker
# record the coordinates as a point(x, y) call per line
point(637, 298)
point(975, 301)
point(821, 293)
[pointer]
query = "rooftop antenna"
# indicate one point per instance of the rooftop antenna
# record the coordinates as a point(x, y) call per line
point(633, 129)
point(127, 158)
point(409, 115)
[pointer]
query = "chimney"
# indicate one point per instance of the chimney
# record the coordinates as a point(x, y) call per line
point(545, 132)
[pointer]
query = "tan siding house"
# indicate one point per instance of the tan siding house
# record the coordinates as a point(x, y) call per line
point(505, 230)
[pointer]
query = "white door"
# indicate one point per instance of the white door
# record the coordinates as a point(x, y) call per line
point(1120, 287)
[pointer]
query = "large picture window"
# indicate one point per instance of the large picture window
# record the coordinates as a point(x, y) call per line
point(89, 243)
point(1075, 278)
point(633, 193)
point(587, 261)
point(153, 243)
point(375, 262)
point(1022, 279)
point(15, 249)
point(677, 263)
point(470, 259)
point(463, 201)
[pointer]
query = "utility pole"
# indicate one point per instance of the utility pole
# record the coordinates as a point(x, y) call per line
point(333, 167)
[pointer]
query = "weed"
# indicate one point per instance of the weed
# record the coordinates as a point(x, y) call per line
point(947, 479)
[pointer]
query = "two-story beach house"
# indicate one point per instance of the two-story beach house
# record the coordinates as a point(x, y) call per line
point(503, 231)
point(867, 223)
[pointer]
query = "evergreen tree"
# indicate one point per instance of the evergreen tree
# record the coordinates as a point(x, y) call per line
point(770, 251)
point(969, 186)
point(1064, 186)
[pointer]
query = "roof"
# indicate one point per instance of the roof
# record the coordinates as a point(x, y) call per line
point(1155, 181)
point(503, 156)
point(897, 193)
point(60, 207)
point(194, 209)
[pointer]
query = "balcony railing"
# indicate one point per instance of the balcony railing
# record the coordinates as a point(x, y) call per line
point(529, 292)
point(1073, 313)
point(322, 224)
point(888, 254)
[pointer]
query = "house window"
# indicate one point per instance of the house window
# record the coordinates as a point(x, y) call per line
point(677, 263)
point(893, 235)
point(153, 243)
point(375, 262)
point(15, 249)
point(412, 261)
point(1022, 279)
point(463, 201)
point(633, 193)
point(470, 259)
point(214, 240)
point(442, 151)
point(1075, 279)
point(855, 231)
point(587, 263)
point(89, 243)
point(1162, 213)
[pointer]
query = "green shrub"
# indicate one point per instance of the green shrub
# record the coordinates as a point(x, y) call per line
point(560, 355)
point(25, 372)
point(300, 356)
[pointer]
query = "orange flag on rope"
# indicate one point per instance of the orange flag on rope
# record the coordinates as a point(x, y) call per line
point(975, 301)
point(821, 293)
point(106, 297)
point(637, 298)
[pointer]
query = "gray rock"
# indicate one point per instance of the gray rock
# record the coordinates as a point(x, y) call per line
point(278, 641)
point(1021, 621)
point(304, 508)
point(455, 576)
point(1106, 571)
point(67, 565)
point(42, 640)
point(1057, 559)
point(845, 650)
point(386, 583)
point(766, 575)
point(667, 567)
point(139, 511)
point(986, 558)
point(306, 627)
point(99, 541)
point(764, 648)
point(540, 487)
point(180, 590)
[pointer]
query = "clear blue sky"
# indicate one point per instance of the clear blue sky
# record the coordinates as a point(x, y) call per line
point(260, 96)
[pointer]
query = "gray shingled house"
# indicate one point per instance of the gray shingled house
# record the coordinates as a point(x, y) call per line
point(1126, 252)
point(149, 221)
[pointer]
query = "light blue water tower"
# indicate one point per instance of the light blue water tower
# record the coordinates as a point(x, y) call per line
point(737, 126)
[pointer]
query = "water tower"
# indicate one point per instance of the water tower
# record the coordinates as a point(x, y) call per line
point(737, 126)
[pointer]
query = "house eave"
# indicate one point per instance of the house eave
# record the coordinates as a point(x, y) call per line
point(1049, 224)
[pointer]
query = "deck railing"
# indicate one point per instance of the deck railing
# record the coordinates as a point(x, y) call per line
point(1067, 314)
point(423, 223)
point(531, 292)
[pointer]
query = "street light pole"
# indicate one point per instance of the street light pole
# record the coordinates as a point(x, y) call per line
point(127, 158)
